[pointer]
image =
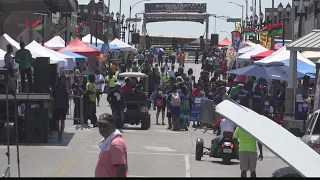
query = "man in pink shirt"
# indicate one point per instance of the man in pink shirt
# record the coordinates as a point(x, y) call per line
point(112, 160)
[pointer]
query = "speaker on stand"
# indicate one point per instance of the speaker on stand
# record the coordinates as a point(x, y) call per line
point(41, 75)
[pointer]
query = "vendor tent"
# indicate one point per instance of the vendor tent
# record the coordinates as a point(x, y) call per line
point(253, 51)
point(55, 43)
point(71, 60)
point(44, 52)
point(261, 55)
point(76, 56)
point(122, 46)
point(283, 55)
point(79, 47)
point(5, 40)
point(225, 42)
point(87, 39)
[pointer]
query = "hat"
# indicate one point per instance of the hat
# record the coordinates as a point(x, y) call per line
point(106, 118)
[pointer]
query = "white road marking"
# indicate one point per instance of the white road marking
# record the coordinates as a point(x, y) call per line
point(136, 176)
point(187, 161)
point(54, 147)
point(146, 153)
point(163, 149)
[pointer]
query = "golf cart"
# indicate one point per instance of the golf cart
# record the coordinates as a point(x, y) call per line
point(137, 111)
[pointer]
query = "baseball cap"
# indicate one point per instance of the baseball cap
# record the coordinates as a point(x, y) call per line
point(106, 118)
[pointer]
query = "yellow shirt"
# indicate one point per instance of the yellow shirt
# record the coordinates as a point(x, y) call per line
point(170, 53)
point(112, 81)
point(92, 88)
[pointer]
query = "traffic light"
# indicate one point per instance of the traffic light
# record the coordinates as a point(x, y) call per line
point(148, 43)
point(202, 45)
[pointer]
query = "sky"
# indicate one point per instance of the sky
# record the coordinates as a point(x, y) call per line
point(191, 29)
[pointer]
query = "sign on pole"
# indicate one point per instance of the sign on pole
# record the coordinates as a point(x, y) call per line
point(176, 7)
point(234, 20)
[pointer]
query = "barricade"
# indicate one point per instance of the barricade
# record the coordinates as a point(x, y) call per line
point(76, 111)
point(6, 173)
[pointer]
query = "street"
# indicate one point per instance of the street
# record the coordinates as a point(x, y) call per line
point(156, 152)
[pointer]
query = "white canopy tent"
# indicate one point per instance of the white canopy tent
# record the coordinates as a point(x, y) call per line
point(282, 55)
point(5, 40)
point(122, 46)
point(251, 52)
point(71, 60)
point(87, 39)
point(44, 52)
point(56, 43)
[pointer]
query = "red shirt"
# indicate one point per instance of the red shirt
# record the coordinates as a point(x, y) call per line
point(195, 93)
point(108, 159)
point(217, 124)
point(126, 89)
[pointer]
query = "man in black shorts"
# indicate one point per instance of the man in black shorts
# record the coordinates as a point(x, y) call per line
point(61, 104)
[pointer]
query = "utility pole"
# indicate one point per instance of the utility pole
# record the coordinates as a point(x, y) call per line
point(273, 21)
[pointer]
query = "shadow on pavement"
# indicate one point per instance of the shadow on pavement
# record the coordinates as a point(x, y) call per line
point(53, 140)
point(220, 162)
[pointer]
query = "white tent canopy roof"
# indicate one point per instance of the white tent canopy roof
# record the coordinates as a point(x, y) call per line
point(283, 54)
point(71, 60)
point(55, 43)
point(87, 39)
point(5, 40)
point(251, 52)
point(44, 52)
point(123, 46)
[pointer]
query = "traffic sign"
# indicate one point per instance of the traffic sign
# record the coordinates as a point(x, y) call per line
point(234, 20)
point(133, 20)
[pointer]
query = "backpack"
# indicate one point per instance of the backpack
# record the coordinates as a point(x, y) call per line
point(175, 100)
point(159, 102)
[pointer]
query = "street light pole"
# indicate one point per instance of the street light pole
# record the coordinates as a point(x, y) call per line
point(130, 12)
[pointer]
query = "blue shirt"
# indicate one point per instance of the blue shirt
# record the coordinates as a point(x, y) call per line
point(174, 110)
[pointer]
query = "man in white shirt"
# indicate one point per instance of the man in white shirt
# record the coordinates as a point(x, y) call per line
point(226, 125)
point(99, 80)
point(8, 60)
point(171, 72)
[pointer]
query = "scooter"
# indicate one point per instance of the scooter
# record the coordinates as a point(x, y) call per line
point(225, 150)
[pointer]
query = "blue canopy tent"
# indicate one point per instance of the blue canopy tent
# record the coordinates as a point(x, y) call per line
point(77, 57)
point(111, 46)
point(94, 47)
point(303, 68)
point(274, 71)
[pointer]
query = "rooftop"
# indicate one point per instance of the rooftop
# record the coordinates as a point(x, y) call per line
point(39, 5)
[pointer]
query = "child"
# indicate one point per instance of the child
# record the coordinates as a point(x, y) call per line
point(157, 68)
point(166, 66)
point(134, 67)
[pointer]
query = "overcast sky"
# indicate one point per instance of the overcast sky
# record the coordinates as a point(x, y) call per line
point(218, 7)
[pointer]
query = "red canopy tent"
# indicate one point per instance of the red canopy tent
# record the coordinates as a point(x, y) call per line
point(261, 55)
point(79, 47)
point(224, 42)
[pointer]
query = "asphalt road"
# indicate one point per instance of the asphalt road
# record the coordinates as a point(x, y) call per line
point(156, 152)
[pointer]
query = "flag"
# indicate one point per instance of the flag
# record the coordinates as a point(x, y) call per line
point(71, 38)
point(36, 23)
point(106, 51)
point(274, 29)
point(64, 27)
point(238, 28)
point(27, 24)
point(263, 30)
point(39, 27)
point(105, 28)
point(235, 36)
